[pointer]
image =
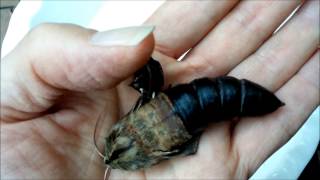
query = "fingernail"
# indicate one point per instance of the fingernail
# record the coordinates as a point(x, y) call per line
point(129, 36)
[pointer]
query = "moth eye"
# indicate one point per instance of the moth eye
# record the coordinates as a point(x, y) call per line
point(111, 137)
point(116, 153)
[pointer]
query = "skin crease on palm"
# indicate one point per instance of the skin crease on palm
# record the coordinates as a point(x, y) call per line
point(53, 92)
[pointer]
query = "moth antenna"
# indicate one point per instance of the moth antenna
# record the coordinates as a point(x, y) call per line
point(108, 170)
point(94, 139)
point(107, 173)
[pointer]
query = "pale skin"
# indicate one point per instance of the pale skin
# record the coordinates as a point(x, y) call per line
point(54, 84)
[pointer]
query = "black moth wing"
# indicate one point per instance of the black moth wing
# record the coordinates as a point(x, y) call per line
point(149, 81)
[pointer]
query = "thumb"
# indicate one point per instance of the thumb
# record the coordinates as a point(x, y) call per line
point(54, 58)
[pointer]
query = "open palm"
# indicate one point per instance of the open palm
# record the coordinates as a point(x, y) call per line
point(55, 84)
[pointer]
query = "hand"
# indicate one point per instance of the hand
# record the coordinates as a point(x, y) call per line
point(54, 84)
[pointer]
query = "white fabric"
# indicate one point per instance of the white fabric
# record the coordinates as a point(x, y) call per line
point(287, 162)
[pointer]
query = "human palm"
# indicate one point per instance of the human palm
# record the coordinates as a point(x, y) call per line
point(49, 109)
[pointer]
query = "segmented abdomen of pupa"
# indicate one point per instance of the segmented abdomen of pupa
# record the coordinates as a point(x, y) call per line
point(206, 100)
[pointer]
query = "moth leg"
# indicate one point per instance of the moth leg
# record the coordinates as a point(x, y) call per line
point(191, 146)
point(166, 154)
point(142, 100)
point(138, 104)
point(188, 148)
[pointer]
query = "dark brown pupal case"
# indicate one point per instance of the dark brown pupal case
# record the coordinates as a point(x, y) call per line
point(172, 122)
point(210, 100)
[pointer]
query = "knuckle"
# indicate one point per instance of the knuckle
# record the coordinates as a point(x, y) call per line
point(39, 34)
point(41, 29)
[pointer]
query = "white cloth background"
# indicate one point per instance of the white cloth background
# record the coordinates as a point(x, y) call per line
point(287, 163)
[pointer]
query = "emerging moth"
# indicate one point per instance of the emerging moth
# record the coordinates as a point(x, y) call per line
point(168, 123)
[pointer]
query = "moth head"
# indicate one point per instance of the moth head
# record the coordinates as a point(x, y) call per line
point(121, 151)
point(129, 147)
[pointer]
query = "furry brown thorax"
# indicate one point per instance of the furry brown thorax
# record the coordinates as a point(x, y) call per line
point(146, 136)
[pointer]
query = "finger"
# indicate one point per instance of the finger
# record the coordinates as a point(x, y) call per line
point(264, 136)
point(285, 53)
point(180, 25)
point(55, 58)
point(232, 40)
point(120, 174)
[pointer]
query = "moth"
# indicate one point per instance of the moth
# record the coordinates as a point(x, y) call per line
point(168, 123)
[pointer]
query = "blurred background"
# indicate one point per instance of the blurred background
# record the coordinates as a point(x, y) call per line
point(7, 8)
